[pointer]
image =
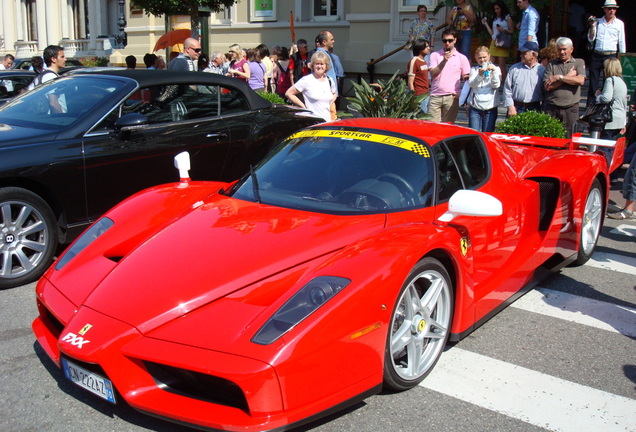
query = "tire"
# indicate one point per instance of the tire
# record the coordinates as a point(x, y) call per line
point(591, 224)
point(28, 237)
point(420, 325)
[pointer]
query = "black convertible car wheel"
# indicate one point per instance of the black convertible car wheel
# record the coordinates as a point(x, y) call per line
point(27, 236)
point(420, 325)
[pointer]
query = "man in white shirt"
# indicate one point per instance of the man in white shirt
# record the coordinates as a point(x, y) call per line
point(7, 63)
point(608, 37)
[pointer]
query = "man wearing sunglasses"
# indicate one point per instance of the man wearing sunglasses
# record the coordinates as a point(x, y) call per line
point(187, 60)
point(607, 36)
point(447, 68)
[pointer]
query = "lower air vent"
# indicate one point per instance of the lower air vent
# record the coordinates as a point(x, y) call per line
point(197, 385)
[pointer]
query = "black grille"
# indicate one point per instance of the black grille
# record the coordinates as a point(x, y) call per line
point(549, 192)
point(197, 385)
point(56, 325)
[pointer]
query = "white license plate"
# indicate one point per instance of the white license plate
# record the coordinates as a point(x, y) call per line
point(89, 380)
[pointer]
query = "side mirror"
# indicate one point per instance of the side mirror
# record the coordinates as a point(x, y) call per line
point(472, 203)
point(182, 163)
point(129, 122)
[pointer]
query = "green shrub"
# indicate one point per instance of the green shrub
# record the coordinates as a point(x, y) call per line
point(94, 61)
point(272, 97)
point(389, 98)
point(533, 123)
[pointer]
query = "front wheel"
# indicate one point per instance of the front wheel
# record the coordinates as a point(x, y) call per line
point(591, 224)
point(28, 238)
point(420, 325)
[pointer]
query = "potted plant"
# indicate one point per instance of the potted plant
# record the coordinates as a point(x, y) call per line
point(532, 123)
point(389, 98)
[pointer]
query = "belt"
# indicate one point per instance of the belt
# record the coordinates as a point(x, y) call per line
point(562, 107)
point(527, 104)
point(605, 52)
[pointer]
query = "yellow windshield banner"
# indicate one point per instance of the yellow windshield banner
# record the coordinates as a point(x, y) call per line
point(418, 148)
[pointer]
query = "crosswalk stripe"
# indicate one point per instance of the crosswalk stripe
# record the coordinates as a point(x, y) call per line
point(581, 310)
point(612, 261)
point(624, 229)
point(533, 397)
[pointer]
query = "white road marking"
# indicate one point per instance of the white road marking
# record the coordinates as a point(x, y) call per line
point(580, 310)
point(624, 229)
point(528, 395)
point(612, 261)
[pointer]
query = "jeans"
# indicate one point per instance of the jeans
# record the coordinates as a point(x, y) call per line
point(482, 120)
point(464, 44)
point(629, 182)
point(424, 104)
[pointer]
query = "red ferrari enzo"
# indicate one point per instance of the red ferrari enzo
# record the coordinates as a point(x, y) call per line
point(340, 265)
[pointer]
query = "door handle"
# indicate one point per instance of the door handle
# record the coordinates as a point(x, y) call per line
point(219, 135)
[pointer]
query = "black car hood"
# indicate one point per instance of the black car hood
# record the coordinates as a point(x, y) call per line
point(11, 135)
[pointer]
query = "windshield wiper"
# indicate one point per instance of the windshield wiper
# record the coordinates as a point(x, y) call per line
point(257, 194)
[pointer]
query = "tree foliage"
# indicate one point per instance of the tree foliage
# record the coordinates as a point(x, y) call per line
point(183, 7)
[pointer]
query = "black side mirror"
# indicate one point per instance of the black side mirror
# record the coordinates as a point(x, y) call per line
point(128, 123)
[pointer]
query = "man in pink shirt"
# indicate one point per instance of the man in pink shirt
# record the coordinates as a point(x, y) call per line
point(447, 68)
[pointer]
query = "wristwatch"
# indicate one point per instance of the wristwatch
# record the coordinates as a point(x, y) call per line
point(560, 77)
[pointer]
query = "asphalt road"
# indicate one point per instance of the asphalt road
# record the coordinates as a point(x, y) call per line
point(561, 358)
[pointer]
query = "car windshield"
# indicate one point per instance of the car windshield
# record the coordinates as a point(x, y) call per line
point(343, 171)
point(59, 103)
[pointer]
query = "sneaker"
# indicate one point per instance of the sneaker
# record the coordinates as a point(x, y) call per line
point(623, 214)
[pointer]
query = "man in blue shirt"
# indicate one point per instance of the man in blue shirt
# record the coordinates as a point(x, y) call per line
point(523, 89)
point(529, 26)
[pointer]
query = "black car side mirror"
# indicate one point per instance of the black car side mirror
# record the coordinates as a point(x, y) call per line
point(128, 123)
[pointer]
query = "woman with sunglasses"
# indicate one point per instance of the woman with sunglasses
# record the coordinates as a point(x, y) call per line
point(239, 67)
point(188, 59)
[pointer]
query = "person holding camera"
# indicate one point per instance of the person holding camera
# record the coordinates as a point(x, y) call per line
point(501, 24)
point(448, 67)
point(607, 38)
point(484, 80)
point(460, 19)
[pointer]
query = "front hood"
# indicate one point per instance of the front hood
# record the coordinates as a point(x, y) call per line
point(214, 250)
point(11, 135)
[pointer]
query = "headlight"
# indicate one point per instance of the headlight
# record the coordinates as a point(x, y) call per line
point(96, 230)
point(307, 300)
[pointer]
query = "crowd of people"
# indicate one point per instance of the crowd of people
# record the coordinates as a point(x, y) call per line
point(548, 79)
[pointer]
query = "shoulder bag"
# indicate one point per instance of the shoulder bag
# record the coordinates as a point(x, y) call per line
point(503, 40)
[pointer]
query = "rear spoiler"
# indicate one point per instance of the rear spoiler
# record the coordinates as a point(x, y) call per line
point(577, 142)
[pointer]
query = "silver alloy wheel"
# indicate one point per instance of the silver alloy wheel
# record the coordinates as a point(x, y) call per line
point(24, 238)
point(420, 325)
point(592, 221)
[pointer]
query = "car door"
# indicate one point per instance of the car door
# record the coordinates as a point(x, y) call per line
point(501, 246)
point(172, 119)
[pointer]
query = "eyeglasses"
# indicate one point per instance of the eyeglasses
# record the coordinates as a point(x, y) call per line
point(611, 8)
point(448, 40)
point(196, 50)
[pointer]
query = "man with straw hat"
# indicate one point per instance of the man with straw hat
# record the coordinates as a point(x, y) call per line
point(607, 38)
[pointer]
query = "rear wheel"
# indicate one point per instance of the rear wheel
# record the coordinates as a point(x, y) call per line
point(28, 238)
point(420, 325)
point(591, 223)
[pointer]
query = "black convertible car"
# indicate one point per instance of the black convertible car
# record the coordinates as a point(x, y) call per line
point(76, 146)
point(13, 82)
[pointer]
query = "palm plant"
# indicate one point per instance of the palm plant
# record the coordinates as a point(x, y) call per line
point(389, 98)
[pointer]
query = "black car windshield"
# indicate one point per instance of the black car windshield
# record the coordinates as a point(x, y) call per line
point(59, 103)
point(343, 171)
